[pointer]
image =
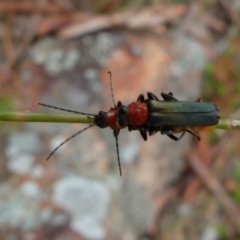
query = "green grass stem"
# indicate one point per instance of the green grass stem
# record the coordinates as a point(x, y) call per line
point(78, 118)
point(44, 117)
point(228, 124)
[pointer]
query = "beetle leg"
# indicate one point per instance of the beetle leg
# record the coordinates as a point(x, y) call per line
point(152, 130)
point(152, 96)
point(194, 134)
point(141, 98)
point(173, 137)
point(131, 128)
point(143, 133)
point(119, 104)
point(122, 116)
point(168, 97)
point(170, 132)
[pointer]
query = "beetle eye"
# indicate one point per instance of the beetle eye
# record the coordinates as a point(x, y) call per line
point(100, 119)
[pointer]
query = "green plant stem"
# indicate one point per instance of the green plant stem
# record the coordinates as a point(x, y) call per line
point(230, 124)
point(79, 118)
point(44, 117)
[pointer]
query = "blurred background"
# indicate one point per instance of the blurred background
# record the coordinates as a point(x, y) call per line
point(58, 52)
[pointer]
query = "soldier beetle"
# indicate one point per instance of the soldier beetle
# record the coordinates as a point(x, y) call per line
point(151, 115)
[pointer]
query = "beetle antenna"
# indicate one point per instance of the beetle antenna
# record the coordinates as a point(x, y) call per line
point(74, 135)
point(110, 74)
point(115, 133)
point(66, 110)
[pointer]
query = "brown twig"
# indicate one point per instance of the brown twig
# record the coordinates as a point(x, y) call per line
point(202, 150)
point(215, 187)
point(7, 42)
point(159, 204)
point(14, 54)
point(29, 7)
point(30, 32)
point(150, 17)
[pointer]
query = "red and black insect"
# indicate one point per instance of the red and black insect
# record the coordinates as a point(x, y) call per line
point(151, 115)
